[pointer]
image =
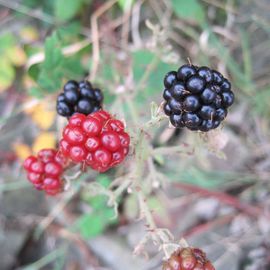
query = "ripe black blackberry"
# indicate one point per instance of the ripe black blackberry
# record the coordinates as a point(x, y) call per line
point(79, 97)
point(196, 97)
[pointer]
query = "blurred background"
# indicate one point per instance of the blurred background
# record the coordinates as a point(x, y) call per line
point(217, 187)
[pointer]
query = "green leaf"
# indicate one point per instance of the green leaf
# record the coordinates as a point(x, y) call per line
point(50, 81)
point(125, 4)
point(69, 31)
point(98, 202)
point(67, 9)
point(72, 67)
point(90, 225)
point(104, 180)
point(53, 54)
point(6, 41)
point(147, 62)
point(44, 6)
point(34, 71)
point(7, 74)
point(36, 92)
point(50, 72)
point(189, 10)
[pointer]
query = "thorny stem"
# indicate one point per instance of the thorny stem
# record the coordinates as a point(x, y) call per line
point(141, 158)
point(146, 211)
point(159, 236)
point(143, 153)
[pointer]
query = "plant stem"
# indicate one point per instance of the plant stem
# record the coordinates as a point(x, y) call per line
point(155, 121)
point(146, 211)
point(122, 188)
point(142, 155)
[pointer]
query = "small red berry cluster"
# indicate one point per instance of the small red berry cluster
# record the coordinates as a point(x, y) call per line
point(98, 140)
point(44, 170)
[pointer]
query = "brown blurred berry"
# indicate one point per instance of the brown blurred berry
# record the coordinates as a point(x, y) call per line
point(188, 259)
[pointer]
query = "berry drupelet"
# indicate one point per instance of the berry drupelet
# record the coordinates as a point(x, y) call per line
point(79, 97)
point(44, 171)
point(97, 140)
point(188, 259)
point(196, 97)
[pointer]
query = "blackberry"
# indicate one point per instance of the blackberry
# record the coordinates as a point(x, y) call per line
point(196, 97)
point(79, 97)
point(170, 78)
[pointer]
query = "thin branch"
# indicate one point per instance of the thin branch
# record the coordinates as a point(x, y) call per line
point(95, 35)
point(251, 210)
point(55, 212)
point(135, 23)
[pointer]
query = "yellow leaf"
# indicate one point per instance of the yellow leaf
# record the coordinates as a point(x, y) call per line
point(29, 34)
point(41, 114)
point(16, 55)
point(44, 140)
point(21, 150)
point(43, 118)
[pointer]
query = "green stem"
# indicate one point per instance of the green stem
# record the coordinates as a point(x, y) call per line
point(122, 188)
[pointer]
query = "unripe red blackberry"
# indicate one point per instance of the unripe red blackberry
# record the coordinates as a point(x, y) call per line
point(45, 170)
point(98, 140)
point(196, 97)
point(188, 259)
point(79, 97)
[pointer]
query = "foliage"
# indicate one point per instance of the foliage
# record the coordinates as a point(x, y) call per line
point(101, 216)
point(67, 9)
point(189, 10)
point(51, 41)
point(12, 56)
point(49, 74)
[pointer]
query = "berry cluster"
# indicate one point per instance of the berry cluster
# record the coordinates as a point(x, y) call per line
point(79, 97)
point(44, 171)
point(196, 97)
point(188, 259)
point(98, 140)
